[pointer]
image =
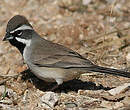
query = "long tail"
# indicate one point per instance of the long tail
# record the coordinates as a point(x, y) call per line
point(116, 72)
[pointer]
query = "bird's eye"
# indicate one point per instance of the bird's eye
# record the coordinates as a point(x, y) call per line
point(17, 33)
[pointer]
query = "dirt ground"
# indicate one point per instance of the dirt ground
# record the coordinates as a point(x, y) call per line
point(97, 29)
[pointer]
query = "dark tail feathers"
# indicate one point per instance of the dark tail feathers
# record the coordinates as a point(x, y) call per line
point(109, 71)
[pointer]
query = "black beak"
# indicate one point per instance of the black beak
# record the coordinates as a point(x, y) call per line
point(7, 37)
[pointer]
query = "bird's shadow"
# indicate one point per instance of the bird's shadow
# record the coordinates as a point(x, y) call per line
point(73, 85)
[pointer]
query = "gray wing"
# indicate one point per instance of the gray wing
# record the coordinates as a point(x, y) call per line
point(57, 56)
point(53, 55)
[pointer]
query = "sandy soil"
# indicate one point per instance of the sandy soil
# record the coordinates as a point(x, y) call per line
point(97, 29)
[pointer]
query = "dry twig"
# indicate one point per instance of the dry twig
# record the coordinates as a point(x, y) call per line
point(108, 33)
point(8, 77)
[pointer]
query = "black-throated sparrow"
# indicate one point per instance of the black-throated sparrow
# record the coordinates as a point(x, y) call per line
point(50, 61)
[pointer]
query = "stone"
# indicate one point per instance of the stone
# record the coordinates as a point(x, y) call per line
point(49, 99)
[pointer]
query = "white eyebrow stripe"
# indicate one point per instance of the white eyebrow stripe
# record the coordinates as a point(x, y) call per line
point(23, 27)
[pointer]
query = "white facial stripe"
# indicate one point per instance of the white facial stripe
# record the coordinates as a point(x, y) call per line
point(9, 38)
point(23, 27)
point(24, 41)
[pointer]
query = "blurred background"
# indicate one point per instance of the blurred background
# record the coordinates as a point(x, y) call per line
point(94, 28)
point(97, 29)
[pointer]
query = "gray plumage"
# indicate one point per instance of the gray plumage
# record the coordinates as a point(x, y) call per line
point(47, 60)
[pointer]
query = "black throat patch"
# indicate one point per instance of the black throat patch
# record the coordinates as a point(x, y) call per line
point(18, 45)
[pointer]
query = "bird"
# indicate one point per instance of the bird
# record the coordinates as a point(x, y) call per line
point(50, 61)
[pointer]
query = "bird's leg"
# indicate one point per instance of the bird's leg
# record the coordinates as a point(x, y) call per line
point(59, 82)
point(54, 87)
